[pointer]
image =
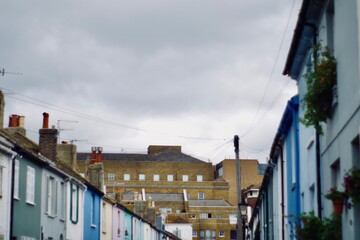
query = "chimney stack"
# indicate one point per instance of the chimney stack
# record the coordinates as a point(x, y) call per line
point(96, 168)
point(48, 139)
point(16, 124)
point(67, 154)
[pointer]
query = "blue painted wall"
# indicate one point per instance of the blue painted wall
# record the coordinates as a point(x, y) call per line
point(92, 214)
point(293, 165)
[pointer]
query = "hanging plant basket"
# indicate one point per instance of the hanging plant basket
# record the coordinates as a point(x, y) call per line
point(338, 206)
point(320, 79)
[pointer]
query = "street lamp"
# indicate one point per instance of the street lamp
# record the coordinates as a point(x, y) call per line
point(243, 208)
point(243, 212)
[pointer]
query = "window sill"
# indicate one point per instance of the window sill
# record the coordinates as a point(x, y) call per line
point(30, 203)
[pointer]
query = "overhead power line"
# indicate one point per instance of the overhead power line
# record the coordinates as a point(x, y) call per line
point(271, 74)
point(57, 108)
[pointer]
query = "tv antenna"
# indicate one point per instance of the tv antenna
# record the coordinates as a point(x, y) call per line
point(64, 129)
point(2, 72)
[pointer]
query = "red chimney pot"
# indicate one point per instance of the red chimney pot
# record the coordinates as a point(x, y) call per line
point(45, 120)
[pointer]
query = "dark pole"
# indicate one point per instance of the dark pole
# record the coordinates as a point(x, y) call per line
point(238, 184)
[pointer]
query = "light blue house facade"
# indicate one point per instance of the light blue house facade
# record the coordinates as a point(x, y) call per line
point(325, 158)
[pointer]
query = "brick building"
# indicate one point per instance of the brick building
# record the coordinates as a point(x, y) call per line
point(181, 187)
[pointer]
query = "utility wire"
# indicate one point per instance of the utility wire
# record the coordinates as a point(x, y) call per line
point(42, 103)
point(271, 73)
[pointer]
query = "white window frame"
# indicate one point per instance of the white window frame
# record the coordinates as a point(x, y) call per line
point(194, 233)
point(30, 185)
point(156, 177)
point(221, 233)
point(142, 177)
point(111, 176)
point(16, 179)
point(204, 215)
point(127, 177)
point(62, 200)
point(199, 178)
point(201, 196)
point(51, 196)
point(170, 178)
point(185, 178)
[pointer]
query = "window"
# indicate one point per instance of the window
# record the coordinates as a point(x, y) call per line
point(156, 177)
point(205, 215)
point(335, 174)
point(202, 234)
point(51, 196)
point(199, 178)
point(111, 177)
point(188, 195)
point(220, 172)
point(141, 177)
point(93, 223)
point(103, 217)
point(16, 179)
point(165, 210)
point(74, 203)
point(170, 178)
point(62, 201)
point(233, 218)
point(126, 177)
point(201, 196)
point(193, 216)
point(185, 178)
point(30, 185)
point(194, 233)
point(221, 233)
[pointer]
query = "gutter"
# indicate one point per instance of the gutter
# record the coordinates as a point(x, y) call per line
point(11, 197)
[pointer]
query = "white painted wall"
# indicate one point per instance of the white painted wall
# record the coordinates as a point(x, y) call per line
point(6, 165)
point(185, 229)
point(107, 220)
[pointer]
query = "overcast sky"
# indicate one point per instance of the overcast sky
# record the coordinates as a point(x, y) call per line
point(127, 74)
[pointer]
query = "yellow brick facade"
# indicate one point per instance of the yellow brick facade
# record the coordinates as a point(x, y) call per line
point(200, 180)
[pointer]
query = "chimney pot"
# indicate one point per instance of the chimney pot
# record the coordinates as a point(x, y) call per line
point(93, 155)
point(99, 156)
point(14, 120)
point(45, 120)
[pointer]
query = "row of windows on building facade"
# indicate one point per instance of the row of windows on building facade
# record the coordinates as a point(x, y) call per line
point(156, 177)
point(208, 234)
point(204, 234)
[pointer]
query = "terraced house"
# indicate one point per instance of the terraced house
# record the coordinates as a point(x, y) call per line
point(43, 197)
point(311, 160)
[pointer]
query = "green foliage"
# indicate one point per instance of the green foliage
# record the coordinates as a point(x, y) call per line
point(311, 229)
point(352, 185)
point(335, 194)
point(315, 229)
point(320, 78)
point(332, 228)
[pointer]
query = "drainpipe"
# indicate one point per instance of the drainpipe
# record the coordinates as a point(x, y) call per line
point(282, 192)
point(317, 138)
